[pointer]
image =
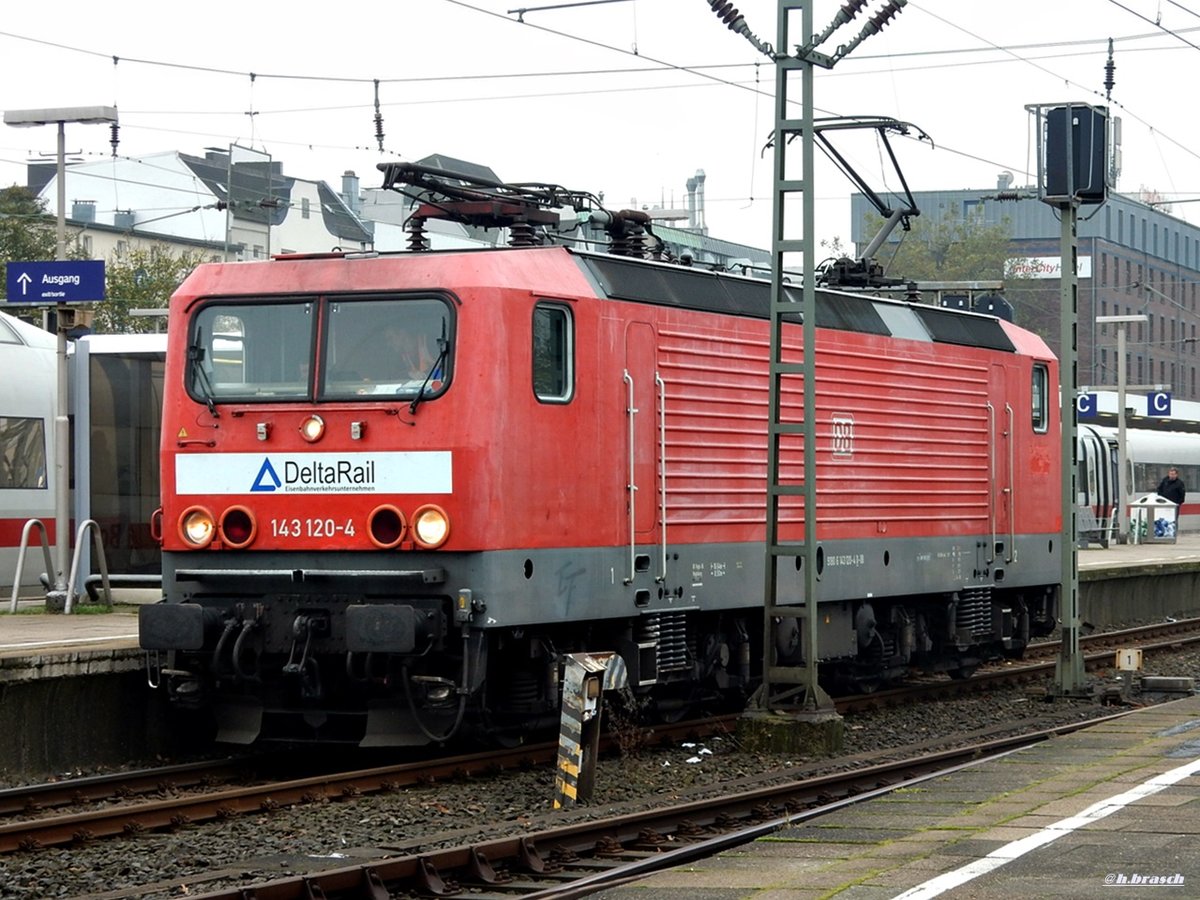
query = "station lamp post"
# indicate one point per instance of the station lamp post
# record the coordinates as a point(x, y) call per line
point(1122, 455)
point(29, 118)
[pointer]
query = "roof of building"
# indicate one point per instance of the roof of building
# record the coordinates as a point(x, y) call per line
point(260, 192)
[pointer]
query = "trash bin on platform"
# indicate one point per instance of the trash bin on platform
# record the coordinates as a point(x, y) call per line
point(1153, 519)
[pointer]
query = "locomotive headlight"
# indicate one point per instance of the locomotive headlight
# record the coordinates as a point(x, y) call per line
point(197, 527)
point(312, 429)
point(430, 527)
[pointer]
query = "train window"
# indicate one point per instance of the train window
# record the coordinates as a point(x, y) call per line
point(7, 335)
point(22, 453)
point(1040, 397)
point(398, 346)
point(553, 353)
point(251, 351)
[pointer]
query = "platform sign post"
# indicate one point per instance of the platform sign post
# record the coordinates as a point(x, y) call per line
point(1069, 673)
point(1122, 446)
point(30, 118)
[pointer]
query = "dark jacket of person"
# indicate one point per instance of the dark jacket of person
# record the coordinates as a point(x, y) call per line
point(1173, 489)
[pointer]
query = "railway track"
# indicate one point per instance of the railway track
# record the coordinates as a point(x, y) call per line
point(1158, 636)
point(1036, 667)
point(129, 803)
point(196, 798)
point(582, 857)
point(79, 810)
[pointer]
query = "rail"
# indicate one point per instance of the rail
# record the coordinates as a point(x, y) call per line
point(29, 526)
point(98, 544)
point(89, 526)
point(117, 581)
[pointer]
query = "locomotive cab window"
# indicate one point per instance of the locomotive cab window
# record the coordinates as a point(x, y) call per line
point(1040, 398)
point(395, 346)
point(357, 348)
point(251, 351)
point(553, 353)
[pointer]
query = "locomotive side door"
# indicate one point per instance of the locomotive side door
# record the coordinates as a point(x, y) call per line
point(1002, 511)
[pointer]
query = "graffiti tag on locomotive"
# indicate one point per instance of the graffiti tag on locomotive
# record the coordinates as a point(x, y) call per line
point(398, 489)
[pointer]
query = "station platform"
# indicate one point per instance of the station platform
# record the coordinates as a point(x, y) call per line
point(28, 631)
point(36, 644)
point(1183, 551)
point(1114, 806)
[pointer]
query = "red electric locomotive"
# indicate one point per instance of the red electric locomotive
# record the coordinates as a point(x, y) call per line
point(397, 489)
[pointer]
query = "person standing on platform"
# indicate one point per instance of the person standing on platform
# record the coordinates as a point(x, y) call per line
point(1172, 487)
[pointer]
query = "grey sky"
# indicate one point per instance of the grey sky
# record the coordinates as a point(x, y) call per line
point(629, 98)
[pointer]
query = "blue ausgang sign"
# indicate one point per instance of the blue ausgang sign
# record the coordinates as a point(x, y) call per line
point(72, 281)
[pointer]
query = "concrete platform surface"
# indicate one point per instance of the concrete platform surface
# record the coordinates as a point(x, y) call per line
point(28, 633)
point(1114, 806)
point(1185, 549)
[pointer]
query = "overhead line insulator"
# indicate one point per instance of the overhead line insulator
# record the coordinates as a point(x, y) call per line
point(727, 13)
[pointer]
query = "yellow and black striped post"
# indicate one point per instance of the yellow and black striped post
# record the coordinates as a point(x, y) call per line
point(586, 677)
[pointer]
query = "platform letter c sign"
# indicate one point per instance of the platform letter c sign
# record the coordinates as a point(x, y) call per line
point(1085, 406)
point(1159, 404)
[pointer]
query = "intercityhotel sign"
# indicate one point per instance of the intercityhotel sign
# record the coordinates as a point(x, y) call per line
point(1043, 267)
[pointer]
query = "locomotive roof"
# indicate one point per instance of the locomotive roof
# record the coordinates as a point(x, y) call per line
point(623, 278)
point(639, 280)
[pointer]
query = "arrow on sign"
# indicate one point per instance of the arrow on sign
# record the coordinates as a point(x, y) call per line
point(23, 280)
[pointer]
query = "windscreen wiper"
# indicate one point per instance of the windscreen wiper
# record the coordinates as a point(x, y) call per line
point(195, 354)
point(434, 370)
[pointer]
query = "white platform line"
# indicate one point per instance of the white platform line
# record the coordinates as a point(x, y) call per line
point(68, 641)
point(1016, 849)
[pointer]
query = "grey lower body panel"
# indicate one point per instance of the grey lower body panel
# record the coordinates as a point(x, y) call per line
point(521, 587)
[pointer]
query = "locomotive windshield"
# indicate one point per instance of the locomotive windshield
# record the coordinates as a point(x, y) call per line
point(327, 349)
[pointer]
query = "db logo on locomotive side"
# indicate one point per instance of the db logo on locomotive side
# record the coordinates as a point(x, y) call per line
point(843, 434)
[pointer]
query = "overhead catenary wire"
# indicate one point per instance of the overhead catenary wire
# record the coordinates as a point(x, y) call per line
point(1018, 53)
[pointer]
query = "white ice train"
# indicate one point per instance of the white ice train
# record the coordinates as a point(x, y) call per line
point(1149, 453)
point(113, 472)
point(28, 393)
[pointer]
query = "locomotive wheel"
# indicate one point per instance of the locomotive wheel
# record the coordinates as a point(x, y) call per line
point(962, 673)
point(507, 740)
point(673, 705)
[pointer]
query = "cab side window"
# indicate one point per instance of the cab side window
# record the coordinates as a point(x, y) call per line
point(553, 353)
point(1040, 399)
